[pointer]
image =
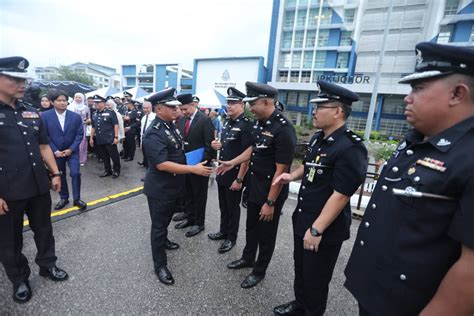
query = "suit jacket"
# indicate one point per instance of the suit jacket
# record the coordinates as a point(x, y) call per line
point(201, 134)
point(72, 135)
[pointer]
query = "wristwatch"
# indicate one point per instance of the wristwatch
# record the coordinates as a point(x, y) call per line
point(314, 232)
point(270, 202)
point(239, 180)
point(58, 174)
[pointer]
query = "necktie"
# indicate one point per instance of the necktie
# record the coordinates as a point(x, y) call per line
point(186, 127)
point(144, 126)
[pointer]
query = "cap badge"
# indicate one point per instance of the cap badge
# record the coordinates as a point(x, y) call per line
point(443, 142)
point(21, 65)
point(402, 146)
point(419, 57)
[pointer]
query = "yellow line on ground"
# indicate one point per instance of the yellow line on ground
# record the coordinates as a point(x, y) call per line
point(104, 199)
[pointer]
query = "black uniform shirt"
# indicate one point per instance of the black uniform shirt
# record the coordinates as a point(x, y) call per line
point(406, 245)
point(104, 122)
point(133, 119)
point(273, 141)
point(22, 170)
point(335, 163)
point(163, 142)
point(235, 138)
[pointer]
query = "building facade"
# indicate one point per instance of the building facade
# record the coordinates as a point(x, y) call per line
point(341, 41)
point(156, 77)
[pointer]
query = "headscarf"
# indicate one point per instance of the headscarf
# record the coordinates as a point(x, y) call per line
point(77, 107)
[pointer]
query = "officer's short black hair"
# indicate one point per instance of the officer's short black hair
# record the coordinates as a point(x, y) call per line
point(55, 93)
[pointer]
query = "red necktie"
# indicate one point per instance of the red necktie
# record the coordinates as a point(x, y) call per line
point(186, 127)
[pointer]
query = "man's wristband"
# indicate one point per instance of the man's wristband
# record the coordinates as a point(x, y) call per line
point(115, 136)
point(57, 174)
point(239, 180)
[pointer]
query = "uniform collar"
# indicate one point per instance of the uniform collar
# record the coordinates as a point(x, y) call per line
point(237, 118)
point(334, 135)
point(445, 140)
point(18, 105)
point(276, 114)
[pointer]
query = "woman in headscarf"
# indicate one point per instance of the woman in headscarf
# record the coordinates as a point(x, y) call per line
point(82, 109)
point(111, 105)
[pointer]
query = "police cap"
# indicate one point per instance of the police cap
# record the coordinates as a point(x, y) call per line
point(165, 97)
point(257, 90)
point(127, 94)
point(14, 67)
point(98, 98)
point(186, 98)
point(332, 92)
point(234, 95)
point(196, 99)
point(436, 60)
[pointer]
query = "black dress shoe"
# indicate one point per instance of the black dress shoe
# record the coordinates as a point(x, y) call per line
point(251, 280)
point(22, 292)
point(184, 224)
point(291, 308)
point(239, 264)
point(217, 236)
point(165, 275)
point(54, 273)
point(194, 231)
point(140, 163)
point(169, 245)
point(61, 204)
point(80, 204)
point(226, 246)
point(115, 175)
point(105, 174)
point(180, 216)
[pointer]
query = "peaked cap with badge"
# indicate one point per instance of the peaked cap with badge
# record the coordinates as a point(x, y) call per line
point(257, 90)
point(196, 99)
point(234, 95)
point(165, 97)
point(127, 94)
point(437, 60)
point(98, 98)
point(332, 92)
point(14, 67)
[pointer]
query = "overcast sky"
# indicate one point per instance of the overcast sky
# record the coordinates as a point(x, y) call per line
point(112, 33)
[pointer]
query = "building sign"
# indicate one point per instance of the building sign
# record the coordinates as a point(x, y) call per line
point(226, 81)
point(344, 79)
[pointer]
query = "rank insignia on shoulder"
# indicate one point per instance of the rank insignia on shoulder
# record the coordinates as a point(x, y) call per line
point(157, 125)
point(167, 132)
point(29, 115)
point(432, 164)
point(353, 136)
point(402, 145)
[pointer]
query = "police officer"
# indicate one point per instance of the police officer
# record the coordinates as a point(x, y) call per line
point(139, 108)
point(235, 139)
point(105, 129)
point(24, 183)
point(414, 251)
point(273, 145)
point(131, 122)
point(165, 177)
point(333, 168)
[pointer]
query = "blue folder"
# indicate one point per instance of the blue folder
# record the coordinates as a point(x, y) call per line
point(194, 157)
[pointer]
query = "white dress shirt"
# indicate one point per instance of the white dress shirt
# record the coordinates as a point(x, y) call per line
point(61, 118)
point(151, 117)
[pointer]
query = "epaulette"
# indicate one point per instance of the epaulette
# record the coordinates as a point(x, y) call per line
point(157, 125)
point(281, 119)
point(353, 136)
point(246, 119)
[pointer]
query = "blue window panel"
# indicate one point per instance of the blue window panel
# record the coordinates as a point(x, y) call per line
point(131, 82)
point(334, 37)
point(331, 57)
point(128, 70)
point(336, 19)
point(468, 9)
point(462, 31)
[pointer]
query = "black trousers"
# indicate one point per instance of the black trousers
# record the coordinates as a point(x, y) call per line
point(229, 205)
point(161, 211)
point(313, 272)
point(106, 152)
point(196, 198)
point(145, 161)
point(38, 210)
point(129, 145)
point(260, 235)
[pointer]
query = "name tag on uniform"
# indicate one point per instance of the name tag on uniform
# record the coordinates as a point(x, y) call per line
point(235, 129)
point(105, 114)
point(29, 115)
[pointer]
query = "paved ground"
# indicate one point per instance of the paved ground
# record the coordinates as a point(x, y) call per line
point(107, 254)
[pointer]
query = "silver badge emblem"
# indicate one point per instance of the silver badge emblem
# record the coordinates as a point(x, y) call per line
point(419, 57)
point(443, 142)
point(21, 65)
point(402, 145)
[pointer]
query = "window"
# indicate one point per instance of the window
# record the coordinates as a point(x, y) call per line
point(286, 40)
point(326, 16)
point(296, 60)
point(292, 97)
point(342, 60)
point(308, 59)
point(320, 61)
point(346, 38)
point(290, 3)
point(349, 15)
point(283, 76)
point(444, 35)
point(301, 18)
point(310, 39)
point(299, 35)
point(451, 7)
point(285, 60)
point(472, 34)
point(294, 76)
point(305, 77)
point(289, 19)
point(303, 99)
point(323, 38)
point(303, 3)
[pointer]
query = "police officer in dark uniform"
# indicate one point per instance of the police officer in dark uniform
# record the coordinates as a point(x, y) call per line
point(273, 145)
point(139, 108)
point(24, 183)
point(414, 252)
point(235, 139)
point(105, 130)
point(333, 168)
point(165, 178)
point(131, 123)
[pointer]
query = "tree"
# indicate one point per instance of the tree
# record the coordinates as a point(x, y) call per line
point(66, 73)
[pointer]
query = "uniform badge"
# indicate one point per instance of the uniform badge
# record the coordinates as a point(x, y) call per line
point(105, 114)
point(402, 146)
point(330, 139)
point(29, 115)
point(21, 65)
point(235, 129)
point(167, 132)
point(320, 171)
point(443, 142)
point(432, 164)
point(411, 171)
point(266, 133)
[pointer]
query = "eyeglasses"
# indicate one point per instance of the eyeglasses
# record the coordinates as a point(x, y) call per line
point(324, 107)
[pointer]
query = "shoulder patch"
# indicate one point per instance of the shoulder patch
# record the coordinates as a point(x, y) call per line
point(157, 125)
point(353, 136)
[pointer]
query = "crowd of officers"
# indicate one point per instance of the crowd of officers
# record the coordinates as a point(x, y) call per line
point(414, 250)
